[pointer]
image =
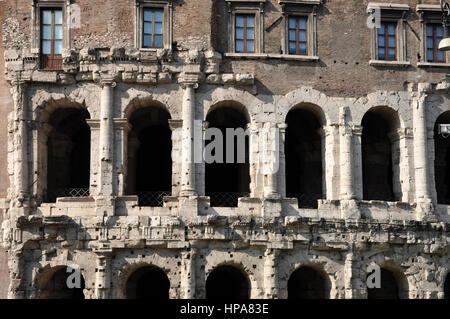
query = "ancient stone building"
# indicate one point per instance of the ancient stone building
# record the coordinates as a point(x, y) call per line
point(93, 95)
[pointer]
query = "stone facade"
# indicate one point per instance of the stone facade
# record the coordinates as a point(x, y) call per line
point(269, 234)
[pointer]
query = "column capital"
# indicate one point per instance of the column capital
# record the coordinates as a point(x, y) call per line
point(108, 81)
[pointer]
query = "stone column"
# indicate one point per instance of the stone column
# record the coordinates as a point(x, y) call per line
point(20, 142)
point(271, 161)
point(188, 274)
point(357, 162)
point(15, 266)
point(188, 187)
point(254, 160)
point(103, 275)
point(106, 136)
point(94, 187)
point(346, 157)
point(271, 285)
point(176, 126)
point(421, 162)
point(105, 205)
point(121, 129)
point(282, 169)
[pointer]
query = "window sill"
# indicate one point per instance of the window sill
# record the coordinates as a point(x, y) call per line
point(306, 58)
point(433, 64)
point(401, 64)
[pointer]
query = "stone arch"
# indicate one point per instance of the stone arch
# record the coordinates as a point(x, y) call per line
point(304, 151)
point(381, 154)
point(52, 284)
point(146, 281)
point(309, 99)
point(149, 134)
point(227, 281)
point(394, 283)
point(308, 281)
point(63, 136)
point(144, 102)
point(226, 181)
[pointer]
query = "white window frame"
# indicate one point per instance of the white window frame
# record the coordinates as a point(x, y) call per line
point(429, 13)
point(167, 7)
point(249, 7)
point(36, 23)
point(390, 12)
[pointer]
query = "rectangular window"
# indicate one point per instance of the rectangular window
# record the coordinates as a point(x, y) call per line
point(245, 33)
point(435, 33)
point(387, 41)
point(152, 34)
point(51, 38)
point(298, 35)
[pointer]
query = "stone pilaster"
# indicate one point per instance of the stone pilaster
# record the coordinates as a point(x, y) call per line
point(103, 275)
point(188, 275)
point(424, 202)
point(282, 169)
point(121, 129)
point(271, 280)
point(349, 209)
point(105, 205)
point(21, 191)
point(352, 279)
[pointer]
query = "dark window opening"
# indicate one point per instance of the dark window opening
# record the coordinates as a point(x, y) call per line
point(68, 147)
point(388, 287)
point(303, 151)
point(148, 283)
point(149, 156)
point(226, 182)
point(442, 161)
point(51, 38)
point(227, 282)
point(377, 157)
point(306, 283)
point(57, 288)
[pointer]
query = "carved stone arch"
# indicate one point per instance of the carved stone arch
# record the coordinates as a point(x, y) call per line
point(314, 270)
point(240, 267)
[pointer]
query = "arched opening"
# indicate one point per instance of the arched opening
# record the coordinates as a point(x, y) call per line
point(68, 154)
point(380, 155)
point(149, 173)
point(442, 161)
point(148, 283)
point(227, 177)
point(57, 286)
point(227, 282)
point(306, 283)
point(447, 287)
point(303, 151)
point(389, 288)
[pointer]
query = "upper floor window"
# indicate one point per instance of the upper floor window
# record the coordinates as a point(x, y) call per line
point(51, 38)
point(153, 28)
point(153, 24)
point(245, 33)
point(298, 35)
point(387, 41)
point(435, 33)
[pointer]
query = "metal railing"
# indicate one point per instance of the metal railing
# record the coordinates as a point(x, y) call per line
point(53, 194)
point(306, 200)
point(225, 199)
point(152, 198)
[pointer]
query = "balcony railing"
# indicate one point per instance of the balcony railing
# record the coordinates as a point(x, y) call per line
point(53, 194)
point(225, 199)
point(306, 200)
point(152, 198)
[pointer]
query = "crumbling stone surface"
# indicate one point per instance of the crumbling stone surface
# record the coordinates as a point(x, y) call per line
point(268, 235)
